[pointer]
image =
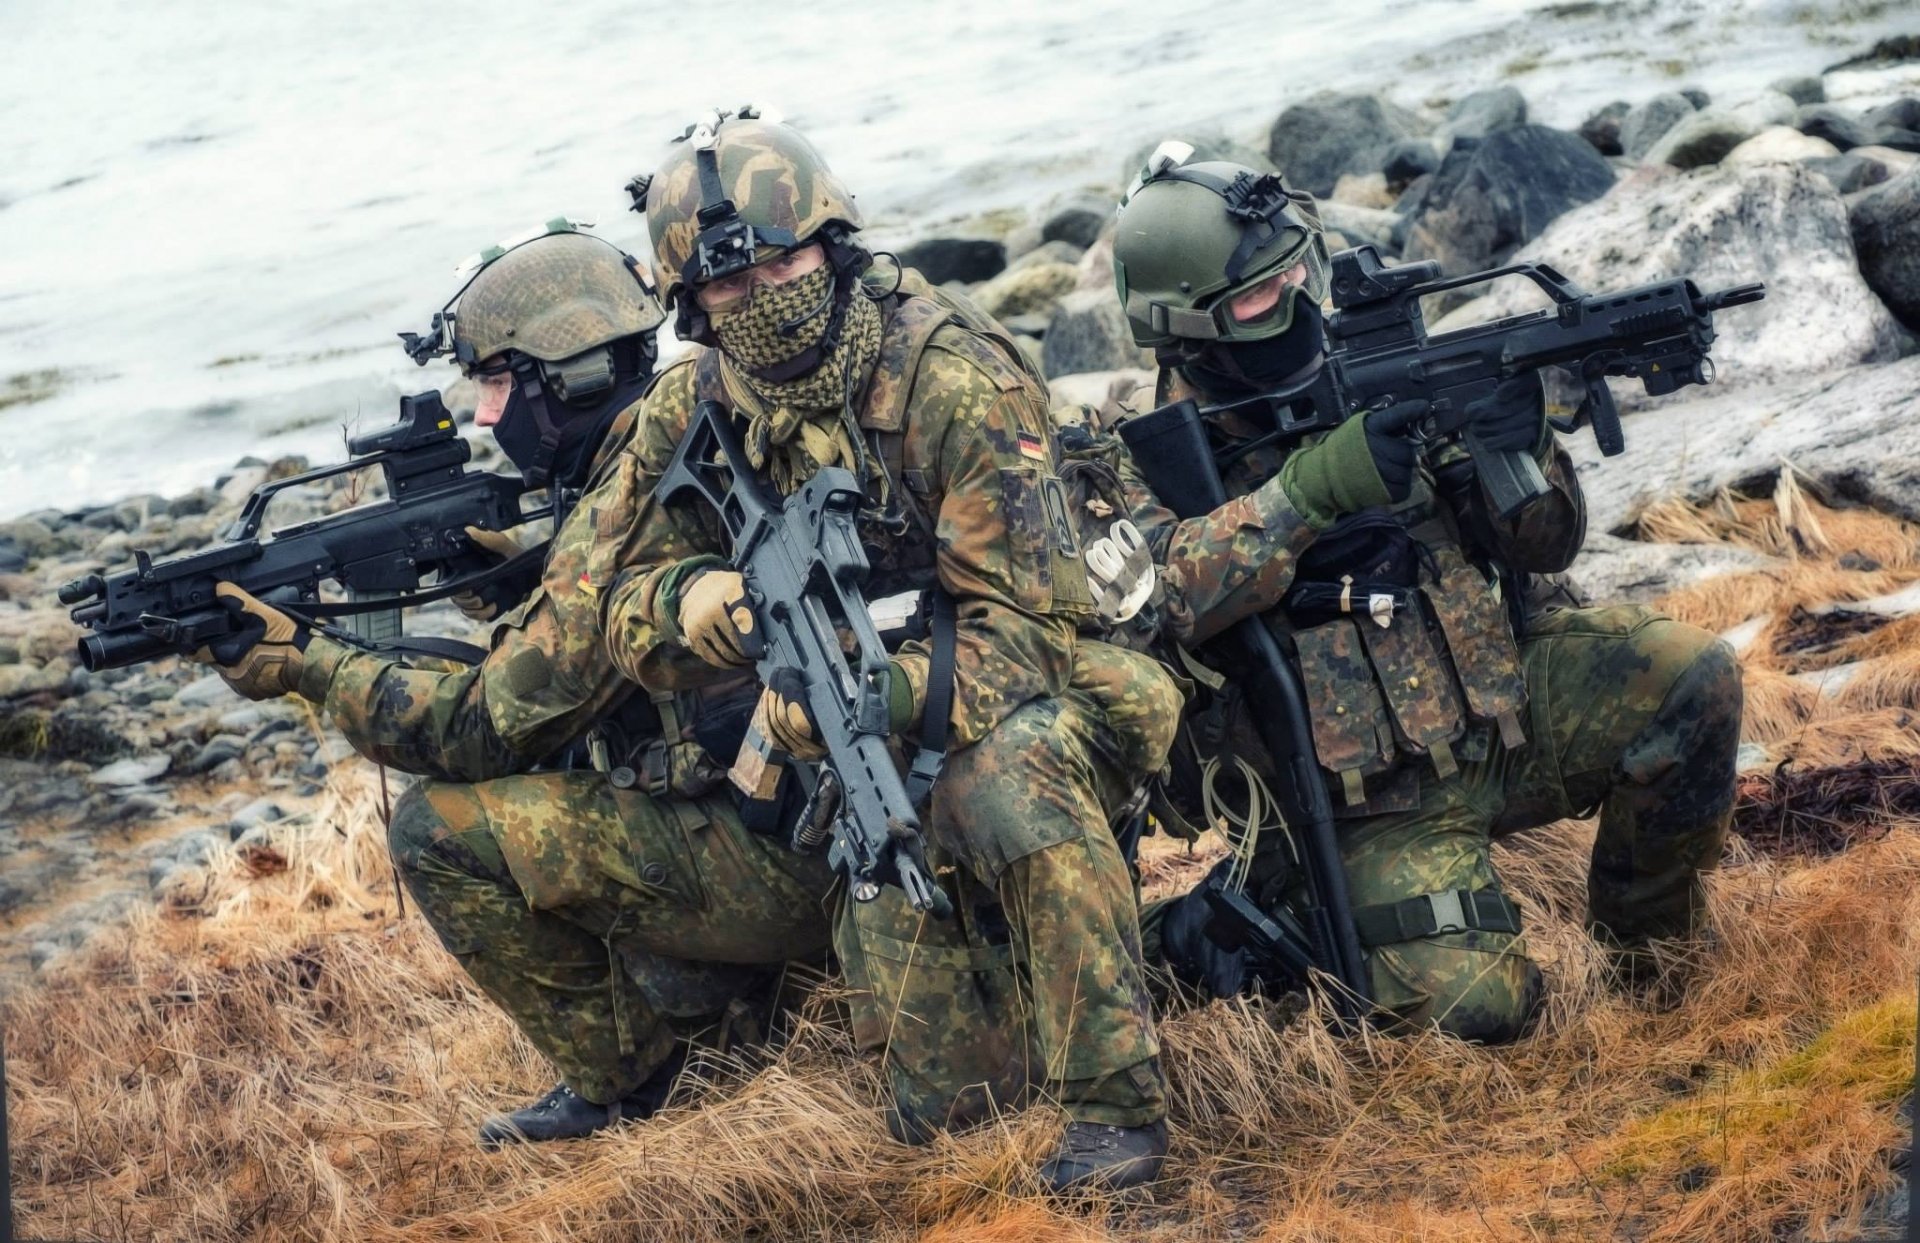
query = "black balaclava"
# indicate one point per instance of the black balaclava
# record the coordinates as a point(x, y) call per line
point(1228, 370)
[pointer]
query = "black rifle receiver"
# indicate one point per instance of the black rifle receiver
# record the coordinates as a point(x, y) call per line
point(1379, 353)
point(804, 568)
point(1170, 447)
point(162, 608)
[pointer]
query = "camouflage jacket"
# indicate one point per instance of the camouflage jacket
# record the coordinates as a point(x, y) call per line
point(544, 683)
point(1440, 684)
point(961, 426)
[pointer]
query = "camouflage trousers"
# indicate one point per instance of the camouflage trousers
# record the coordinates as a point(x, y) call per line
point(1038, 983)
point(606, 923)
point(1629, 712)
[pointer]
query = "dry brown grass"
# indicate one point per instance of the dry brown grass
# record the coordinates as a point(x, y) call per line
point(300, 1061)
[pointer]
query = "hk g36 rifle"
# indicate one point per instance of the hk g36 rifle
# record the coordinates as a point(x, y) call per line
point(804, 570)
point(381, 552)
point(1379, 353)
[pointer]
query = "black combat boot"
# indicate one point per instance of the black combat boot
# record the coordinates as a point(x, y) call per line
point(564, 1114)
point(1094, 1156)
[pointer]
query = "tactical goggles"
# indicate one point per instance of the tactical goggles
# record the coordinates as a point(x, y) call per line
point(1265, 306)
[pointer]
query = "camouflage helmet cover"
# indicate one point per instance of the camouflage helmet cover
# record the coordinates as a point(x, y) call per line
point(779, 186)
point(1191, 236)
point(554, 297)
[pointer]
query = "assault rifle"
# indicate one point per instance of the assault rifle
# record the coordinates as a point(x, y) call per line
point(382, 549)
point(804, 568)
point(1379, 353)
point(1170, 447)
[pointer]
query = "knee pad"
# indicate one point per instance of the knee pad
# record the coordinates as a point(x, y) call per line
point(1487, 995)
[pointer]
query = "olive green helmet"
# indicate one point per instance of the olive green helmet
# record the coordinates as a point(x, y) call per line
point(737, 188)
point(1190, 237)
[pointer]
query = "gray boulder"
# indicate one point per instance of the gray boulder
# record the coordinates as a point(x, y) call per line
point(1360, 224)
point(1886, 236)
point(1409, 161)
point(1026, 289)
point(1780, 144)
point(1645, 124)
point(1481, 113)
point(1700, 139)
point(1806, 89)
point(1903, 113)
point(1695, 96)
point(1721, 226)
point(1492, 197)
point(1088, 332)
point(943, 259)
point(1850, 173)
point(1851, 432)
point(1602, 129)
point(1077, 220)
point(1325, 135)
point(1837, 127)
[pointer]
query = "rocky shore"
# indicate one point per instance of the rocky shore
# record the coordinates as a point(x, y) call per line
point(113, 785)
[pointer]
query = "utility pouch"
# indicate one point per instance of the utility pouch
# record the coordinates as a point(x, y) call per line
point(1419, 690)
point(940, 1001)
point(1352, 735)
point(1473, 617)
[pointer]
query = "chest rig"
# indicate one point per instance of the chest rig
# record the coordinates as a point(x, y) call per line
point(1405, 644)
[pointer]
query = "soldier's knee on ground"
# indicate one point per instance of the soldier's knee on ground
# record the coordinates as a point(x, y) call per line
point(412, 828)
point(1475, 986)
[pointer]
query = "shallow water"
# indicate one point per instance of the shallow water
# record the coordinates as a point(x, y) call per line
point(214, 217)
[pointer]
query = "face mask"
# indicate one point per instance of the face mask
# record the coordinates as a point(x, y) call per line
point(1230, 369)
point(518, 433)
point(750, 341)
point(777, 323)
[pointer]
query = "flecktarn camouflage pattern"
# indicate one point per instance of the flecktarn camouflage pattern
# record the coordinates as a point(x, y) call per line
point(1040, 980)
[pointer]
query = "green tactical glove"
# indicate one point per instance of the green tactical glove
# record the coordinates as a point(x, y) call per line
point(264, 657)
point(1364, 462)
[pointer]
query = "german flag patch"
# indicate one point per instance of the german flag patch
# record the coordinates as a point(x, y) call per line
point(586, 586)
point(1032, 447)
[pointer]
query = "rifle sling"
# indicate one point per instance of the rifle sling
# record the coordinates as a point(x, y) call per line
point(527, 558)
point(936, 719)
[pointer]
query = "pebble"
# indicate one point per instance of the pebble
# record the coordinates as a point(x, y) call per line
point(137, 770)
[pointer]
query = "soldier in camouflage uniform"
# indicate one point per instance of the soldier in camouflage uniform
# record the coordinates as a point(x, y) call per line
point(1443, 715)
point(1038, 980)
point(609, 910)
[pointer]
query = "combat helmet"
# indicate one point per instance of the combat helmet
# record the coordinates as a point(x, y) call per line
point(554, 294)
point(1190, 237)
point(737, 188)
point(573, 314)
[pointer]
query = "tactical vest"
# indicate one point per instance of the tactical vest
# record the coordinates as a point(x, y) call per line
point(902, 544)
point(1405, 650)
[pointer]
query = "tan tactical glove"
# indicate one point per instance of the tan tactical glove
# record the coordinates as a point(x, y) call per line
point(789, 724)
point(713, 615)
point(481, 604)
point(264, 657)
